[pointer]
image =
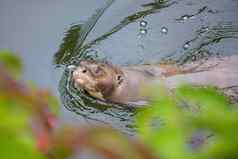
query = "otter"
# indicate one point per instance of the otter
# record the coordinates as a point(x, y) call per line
point(108, 82)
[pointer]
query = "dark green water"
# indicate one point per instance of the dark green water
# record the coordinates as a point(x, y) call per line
point(126, 32)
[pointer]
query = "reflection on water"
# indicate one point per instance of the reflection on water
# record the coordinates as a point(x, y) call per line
point(72, 50)
point(76, 35)
point(121, 116)
point(198, 47)
point(72, 43)
point(179, 31)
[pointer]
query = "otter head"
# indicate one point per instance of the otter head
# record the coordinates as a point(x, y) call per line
point(99, 79)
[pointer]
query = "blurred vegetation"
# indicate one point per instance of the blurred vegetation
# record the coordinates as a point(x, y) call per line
point(189, 122)
point(29, 125)
point(17, 103)
point(11, 62)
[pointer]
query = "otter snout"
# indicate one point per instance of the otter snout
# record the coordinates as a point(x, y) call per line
point(78, 76)
point(80, 71)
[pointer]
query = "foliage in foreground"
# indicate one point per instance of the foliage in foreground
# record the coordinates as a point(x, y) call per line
point(29, 125)
point(190, 122)
point(29, 118)
point(26, 114)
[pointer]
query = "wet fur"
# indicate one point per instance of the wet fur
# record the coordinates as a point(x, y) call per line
point(122, 84)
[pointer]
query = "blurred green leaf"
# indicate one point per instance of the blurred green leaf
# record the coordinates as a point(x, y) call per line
point(15, 146)
point(12, 118)
point(175, 116)
point(11, 62)
point(24, 112)
point(15, 135)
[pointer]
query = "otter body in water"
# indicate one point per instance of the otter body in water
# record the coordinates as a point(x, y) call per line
point(122, 84)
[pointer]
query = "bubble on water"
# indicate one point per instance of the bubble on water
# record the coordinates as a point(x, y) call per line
point(143, 23)
point(186, 46)
point(164, 30)
point(143, 31)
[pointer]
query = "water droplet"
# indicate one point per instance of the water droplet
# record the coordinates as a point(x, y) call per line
point(186, 46)
point(143, 31)
point(143, 23)
point(164, 30)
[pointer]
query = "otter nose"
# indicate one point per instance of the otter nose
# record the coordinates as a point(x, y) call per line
point(75, 74)
point(78, 72)
point(77, 78)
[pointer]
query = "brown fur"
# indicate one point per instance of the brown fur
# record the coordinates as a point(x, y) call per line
point(122, 85)
point(117, 84)
point(99, 80)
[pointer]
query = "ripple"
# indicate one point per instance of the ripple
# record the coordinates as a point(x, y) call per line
point(190, 16)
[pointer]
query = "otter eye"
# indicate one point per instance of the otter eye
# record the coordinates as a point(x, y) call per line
point(84, 70)
point(118, 78)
